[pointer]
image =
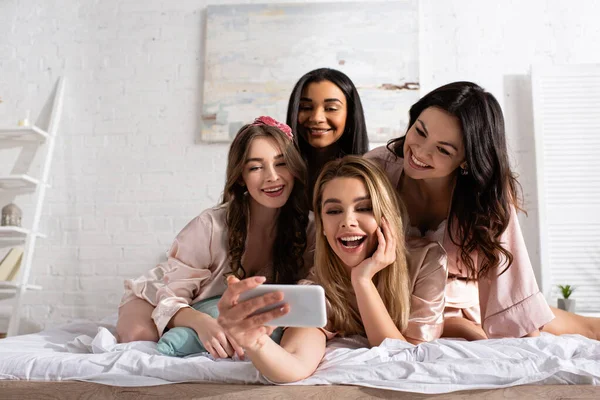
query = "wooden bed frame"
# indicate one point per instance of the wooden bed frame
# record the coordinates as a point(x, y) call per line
point(86, 390)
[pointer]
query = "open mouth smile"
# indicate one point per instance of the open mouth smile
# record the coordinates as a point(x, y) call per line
point(274, 191)
point(351, 242)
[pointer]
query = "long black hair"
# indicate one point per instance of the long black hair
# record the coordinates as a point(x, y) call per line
point(483, 199)
point(354, 140)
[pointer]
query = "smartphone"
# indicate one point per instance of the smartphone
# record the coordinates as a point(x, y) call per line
point(307, 304)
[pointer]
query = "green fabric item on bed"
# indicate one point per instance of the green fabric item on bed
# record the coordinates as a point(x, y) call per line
point(183, 341)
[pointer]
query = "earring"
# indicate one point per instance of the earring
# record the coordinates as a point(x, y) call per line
point(324, 234)
point(464, 171)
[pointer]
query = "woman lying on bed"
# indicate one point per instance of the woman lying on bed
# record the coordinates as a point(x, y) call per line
point(361, 263)
point(260, 229)
point(452, 172)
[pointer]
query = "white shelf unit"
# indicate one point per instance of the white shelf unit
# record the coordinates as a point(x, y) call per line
point(8, 289)
point(23, 133)
point(17, 233)
point(18, 182)
point(43, 133)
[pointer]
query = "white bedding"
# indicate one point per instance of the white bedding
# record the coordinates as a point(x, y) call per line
point(88, 351)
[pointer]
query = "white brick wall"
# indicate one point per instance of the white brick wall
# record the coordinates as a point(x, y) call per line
point(128, 174)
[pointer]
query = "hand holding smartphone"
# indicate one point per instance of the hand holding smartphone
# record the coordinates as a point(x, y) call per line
point(307, 304)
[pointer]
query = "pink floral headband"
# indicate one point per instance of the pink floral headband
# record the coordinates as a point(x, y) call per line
point(265, 120)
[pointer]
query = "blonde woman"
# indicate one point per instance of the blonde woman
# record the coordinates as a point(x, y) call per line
point(361, 263)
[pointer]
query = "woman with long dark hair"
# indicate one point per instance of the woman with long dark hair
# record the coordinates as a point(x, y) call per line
point(452, 172)
point(326, 113)
point(259, 229)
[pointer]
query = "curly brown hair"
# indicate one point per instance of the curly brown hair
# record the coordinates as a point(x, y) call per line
point(484, 199)
point(290, 242)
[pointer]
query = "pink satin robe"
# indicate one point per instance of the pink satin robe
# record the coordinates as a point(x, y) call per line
point(196, 268)
point(506, 305)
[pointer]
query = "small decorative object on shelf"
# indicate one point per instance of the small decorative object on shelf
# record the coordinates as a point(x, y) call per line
point(25, 121)
point(11, 263)
point(566, 303)
point(11, 215)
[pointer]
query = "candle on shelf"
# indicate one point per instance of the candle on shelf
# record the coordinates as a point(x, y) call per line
point(25, 121)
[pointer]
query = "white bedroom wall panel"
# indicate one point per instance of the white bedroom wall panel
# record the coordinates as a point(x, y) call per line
point(567, 133)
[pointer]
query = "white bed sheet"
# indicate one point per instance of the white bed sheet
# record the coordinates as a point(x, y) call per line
point(87, 351)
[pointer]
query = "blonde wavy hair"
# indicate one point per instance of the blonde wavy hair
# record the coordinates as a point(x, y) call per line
point(391, 282)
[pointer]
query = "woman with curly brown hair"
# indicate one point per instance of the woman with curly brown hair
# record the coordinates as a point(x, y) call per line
point(259, 229)
point(452, 172)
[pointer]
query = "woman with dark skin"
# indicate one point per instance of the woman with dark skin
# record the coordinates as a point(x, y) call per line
point(326, 114)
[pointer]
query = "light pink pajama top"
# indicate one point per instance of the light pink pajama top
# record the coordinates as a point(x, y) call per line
point(427, 271)
point(426, 262)
point(506, 305)
point(196, 267)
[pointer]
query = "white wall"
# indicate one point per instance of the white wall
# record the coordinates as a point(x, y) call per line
point(128, 174)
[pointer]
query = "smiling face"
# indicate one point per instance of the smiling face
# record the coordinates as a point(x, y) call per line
point(322, 114)
point(434, 147)
point(348, 220)
point(266, 176)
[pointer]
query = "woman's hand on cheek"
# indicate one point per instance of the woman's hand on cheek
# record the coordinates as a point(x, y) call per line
point(237, 319)
point(384, 255)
